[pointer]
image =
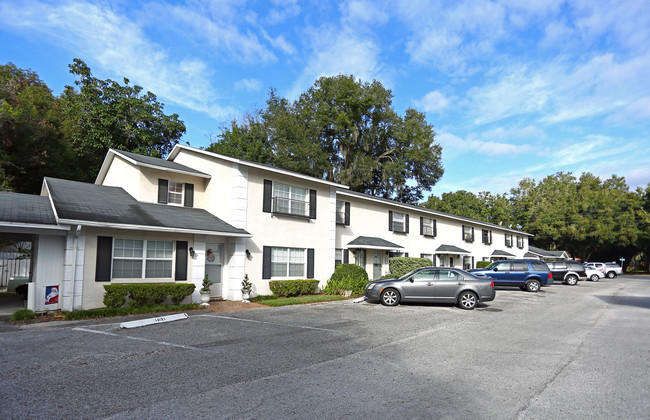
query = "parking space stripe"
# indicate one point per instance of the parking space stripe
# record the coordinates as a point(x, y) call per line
point(162, 343)
point(271, 323)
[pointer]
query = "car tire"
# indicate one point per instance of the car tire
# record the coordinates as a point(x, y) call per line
point(611, 275)
point(467, 300)
point(571, 280)
point(594, 277)
point(533, 286)
point(389, 297)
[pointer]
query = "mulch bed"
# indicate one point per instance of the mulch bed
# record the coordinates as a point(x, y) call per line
point(233, 305)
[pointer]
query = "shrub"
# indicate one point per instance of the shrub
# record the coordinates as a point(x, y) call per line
point(145, 294)
point(482, 264)
point(293, 287)
point(23, 315)
point(347, 277)
point(402, 265)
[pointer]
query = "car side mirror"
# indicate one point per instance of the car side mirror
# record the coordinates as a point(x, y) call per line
point(411, 279)
point(495, 269)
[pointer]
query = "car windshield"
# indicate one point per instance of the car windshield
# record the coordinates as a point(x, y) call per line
point(492, 265)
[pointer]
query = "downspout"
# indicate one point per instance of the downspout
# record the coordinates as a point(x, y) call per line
point(74, 266)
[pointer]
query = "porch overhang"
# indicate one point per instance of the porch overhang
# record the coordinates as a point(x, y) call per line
point(499, 253)
point(451, 249)
point(371, 242)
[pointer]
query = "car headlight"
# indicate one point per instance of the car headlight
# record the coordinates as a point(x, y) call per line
point(369, 286)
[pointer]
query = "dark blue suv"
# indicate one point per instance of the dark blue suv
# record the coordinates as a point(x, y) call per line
point(529, 275)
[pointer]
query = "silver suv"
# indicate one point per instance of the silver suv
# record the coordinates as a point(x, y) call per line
point(610, 269)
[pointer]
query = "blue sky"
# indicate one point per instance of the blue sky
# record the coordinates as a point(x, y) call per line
point(513, 88)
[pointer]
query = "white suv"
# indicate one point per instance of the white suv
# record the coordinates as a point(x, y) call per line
point(610, 269)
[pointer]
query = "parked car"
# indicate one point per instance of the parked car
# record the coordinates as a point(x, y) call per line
point(610, 269)
point(593, 274)
point(567, 271)
point(529, 275)
point(432, 284)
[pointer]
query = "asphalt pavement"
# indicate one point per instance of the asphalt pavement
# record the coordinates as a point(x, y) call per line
point(565, 352)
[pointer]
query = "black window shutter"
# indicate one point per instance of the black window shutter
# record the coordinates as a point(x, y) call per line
point(472, 262)
point(266, 262)
point(346, 256)
point(435, 228)
point(189, 195)
point(181, 261)
point(268, 190)
point(310, 263)
point(163, 186)
point(421, 225)
point(406, 254)
point(434, 258)
point(463, 232)
point(472, 233)
point(390, 220)
point(407, 224)
point(347, 213)
point(312, 204)
point(104, 257)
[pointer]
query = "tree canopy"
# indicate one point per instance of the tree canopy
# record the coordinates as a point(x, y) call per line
point(68, 136)
point(342, 130)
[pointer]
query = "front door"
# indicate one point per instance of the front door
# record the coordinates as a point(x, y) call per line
point(213, 263)
point(376, 266)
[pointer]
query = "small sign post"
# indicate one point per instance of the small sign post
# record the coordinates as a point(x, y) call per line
point(622, 260)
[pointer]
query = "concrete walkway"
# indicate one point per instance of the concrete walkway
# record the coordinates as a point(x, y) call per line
point(10, 303)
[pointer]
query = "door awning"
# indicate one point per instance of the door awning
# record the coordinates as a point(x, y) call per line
point(450, 249)
point(370, 242)
point(499, 253)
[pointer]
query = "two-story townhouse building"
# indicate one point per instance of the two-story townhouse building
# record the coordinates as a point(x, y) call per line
point(199, 213)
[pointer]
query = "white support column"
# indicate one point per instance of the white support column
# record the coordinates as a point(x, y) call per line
point(198, 266)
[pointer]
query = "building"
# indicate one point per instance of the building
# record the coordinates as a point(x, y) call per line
point(196, 213)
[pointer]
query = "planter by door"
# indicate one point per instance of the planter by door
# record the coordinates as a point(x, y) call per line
point(205, 298)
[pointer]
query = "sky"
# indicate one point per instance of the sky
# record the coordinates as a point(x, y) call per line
point(514, 89)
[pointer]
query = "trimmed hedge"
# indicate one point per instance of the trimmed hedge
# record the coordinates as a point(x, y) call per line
point(145, 294)
point(482, 264)
point(402, 265)
point(293, 287)
point(347, 277)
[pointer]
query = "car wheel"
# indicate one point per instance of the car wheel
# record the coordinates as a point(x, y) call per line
point(389, 297)
point(533, 286)
point(571, 280)
point(611, 275)
point(594, 277)
point(467, 300)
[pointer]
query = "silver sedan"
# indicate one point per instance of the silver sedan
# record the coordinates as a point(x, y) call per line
point(433, 284)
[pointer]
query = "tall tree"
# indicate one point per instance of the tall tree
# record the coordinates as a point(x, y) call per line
point(342, 130)
point(484, 206)
point(104, 114)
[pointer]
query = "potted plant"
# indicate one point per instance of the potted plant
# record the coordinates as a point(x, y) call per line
point(246, 287)
point(205, 291)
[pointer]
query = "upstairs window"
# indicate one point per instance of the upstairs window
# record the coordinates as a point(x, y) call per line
point(428, 227)
point(486, 236)
point(289, 200)
point(398, 222)
point(468, 233)
point(342, 213)
point(509, 240)
point(175, 193)
point(520, 242)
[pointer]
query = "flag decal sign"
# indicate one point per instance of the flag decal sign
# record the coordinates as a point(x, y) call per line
point(51, 294)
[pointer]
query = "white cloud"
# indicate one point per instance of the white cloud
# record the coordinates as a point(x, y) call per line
point(433, 101)
point(250, 85)
point(454, 145)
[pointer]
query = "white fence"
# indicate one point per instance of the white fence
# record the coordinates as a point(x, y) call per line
point(10, 266)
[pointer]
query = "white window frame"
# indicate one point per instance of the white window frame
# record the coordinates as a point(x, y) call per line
point(402, 221)
point(338, 256)
point(173, 195)
point(340, 212)
point(431, 225)
point(520, 242)
point(509, 240)
point(295, 199)
point(468, 234)
point(486, 239)
point(284, 256)
point(143, 258)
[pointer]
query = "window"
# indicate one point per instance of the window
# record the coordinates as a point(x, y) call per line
point(342, 213)
point(287, 262)
point(360, 258)
point(468, 233)
point(428, 227)
point(520, 242)
point(508, 240)
point(175, 193)
point(338, 256)
point(449, 275)
point(398, 222)
point(288, 199)
point(134, 257)
point(427, 256)
point(487, 236)
point(519, 266)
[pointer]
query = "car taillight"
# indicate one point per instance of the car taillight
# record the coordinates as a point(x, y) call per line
point(492, 284)
point(550, 275)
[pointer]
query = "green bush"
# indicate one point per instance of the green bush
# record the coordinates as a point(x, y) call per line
point(402, 265)
point(482, 264)
point(23, 315)
point(145, 294)
point(293, 287)
point(347, 277)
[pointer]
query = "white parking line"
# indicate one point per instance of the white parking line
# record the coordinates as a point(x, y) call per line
point(270, 323)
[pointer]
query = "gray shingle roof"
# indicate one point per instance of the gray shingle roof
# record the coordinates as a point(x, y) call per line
point(499, 253)
point(26, 208)
point(370, 241)
point(161, 163)
point(79, 201)
point(451, 249)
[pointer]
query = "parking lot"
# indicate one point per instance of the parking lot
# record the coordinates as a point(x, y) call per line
point(565, 352)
